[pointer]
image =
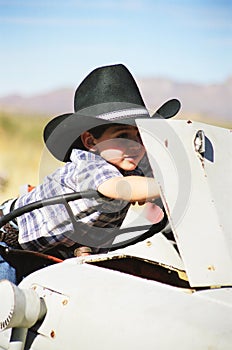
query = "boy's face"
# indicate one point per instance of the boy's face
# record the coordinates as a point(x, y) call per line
point(121, 145)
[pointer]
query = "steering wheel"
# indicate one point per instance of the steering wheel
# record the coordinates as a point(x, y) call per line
point(41, 260)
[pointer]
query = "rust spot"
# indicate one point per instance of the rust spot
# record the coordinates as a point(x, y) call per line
point(202, 163)
point(215, 287)
point(211, 268)
point(65, 302)
point(52, 334)
point(148, 243)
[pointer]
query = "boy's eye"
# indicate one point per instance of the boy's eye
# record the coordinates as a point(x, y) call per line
point(128, 136)
point(123, 136)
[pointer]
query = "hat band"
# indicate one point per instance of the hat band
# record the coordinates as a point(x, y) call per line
point(126, 113)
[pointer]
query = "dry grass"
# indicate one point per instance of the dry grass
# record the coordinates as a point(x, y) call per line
point(23, 158)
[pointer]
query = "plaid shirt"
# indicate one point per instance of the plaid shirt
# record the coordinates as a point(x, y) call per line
point(44, 228)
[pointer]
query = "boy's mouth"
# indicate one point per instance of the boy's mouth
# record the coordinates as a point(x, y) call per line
point(131, 156)
point(132, 159)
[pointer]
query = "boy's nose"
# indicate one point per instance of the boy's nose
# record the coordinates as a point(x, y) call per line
point(135, 145)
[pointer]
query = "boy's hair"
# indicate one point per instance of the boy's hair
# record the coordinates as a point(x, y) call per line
point(96, 132)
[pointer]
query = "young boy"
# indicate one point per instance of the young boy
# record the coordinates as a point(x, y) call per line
point(101, 146)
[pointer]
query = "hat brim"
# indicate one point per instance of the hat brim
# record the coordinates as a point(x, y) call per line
point(61, 133)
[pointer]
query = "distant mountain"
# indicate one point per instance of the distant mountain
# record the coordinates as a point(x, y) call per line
point(54, 102)
point(212, 101)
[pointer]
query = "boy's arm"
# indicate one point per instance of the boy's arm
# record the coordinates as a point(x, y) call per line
point(130, 188)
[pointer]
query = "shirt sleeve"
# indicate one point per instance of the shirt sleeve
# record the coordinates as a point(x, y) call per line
point(105, 172)
point(92, 170)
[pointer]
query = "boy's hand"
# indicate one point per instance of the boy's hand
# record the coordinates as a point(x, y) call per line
point(139, 203)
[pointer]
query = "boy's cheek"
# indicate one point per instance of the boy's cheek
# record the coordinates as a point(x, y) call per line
point(112, 155)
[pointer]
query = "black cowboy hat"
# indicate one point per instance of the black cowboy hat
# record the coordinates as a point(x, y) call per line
point(108, 94)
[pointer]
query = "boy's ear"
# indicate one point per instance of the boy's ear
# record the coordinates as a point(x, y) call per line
point(88, 141)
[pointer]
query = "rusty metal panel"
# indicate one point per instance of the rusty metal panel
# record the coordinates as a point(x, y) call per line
point(193, 164)
point(119, 310)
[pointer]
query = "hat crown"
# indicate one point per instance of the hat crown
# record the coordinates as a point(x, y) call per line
point(105, 85)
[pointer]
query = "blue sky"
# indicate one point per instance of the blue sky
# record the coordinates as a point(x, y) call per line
point(53, 44)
